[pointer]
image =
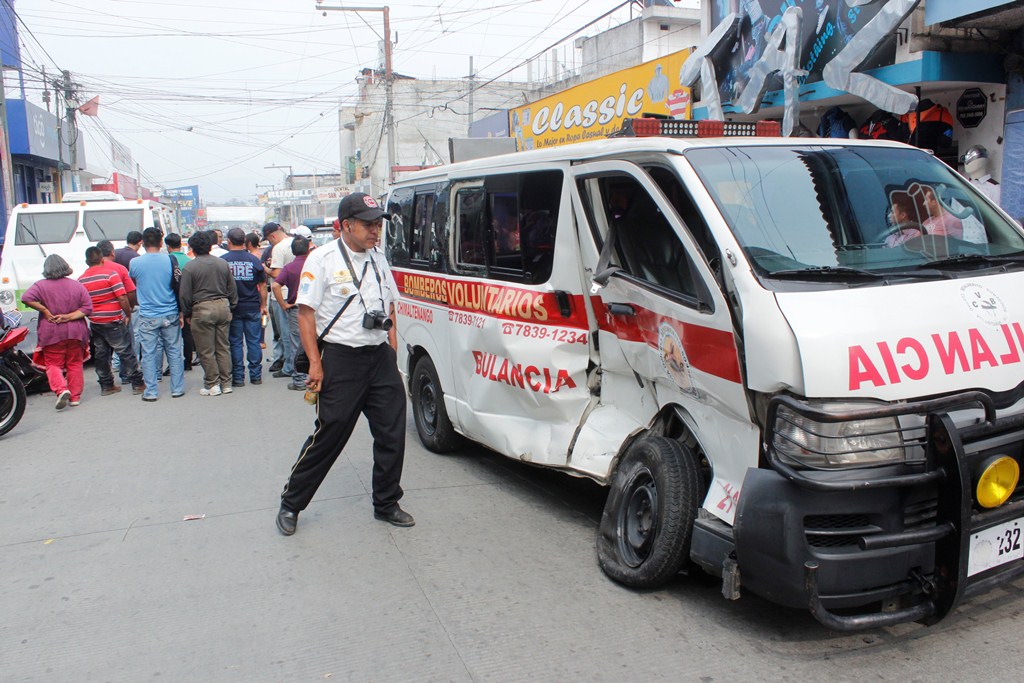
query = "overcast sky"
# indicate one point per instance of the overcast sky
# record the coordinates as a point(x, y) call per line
point(210, 93)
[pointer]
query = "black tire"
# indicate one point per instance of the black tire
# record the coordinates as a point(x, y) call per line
point(12, 400)
point(644, 536)
point(432, 423)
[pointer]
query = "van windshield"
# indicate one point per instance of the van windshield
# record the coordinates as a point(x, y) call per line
point(111, 225)
point(853, 213)
point(46, 228)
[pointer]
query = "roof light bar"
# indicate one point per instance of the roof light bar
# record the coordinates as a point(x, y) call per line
point(650, 127)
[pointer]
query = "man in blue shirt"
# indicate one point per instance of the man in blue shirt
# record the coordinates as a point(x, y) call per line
point(246, 317)
point(158, 317)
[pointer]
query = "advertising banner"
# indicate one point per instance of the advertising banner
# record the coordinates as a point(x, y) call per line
point(186, 199)
point(121, 157)
point(492, 126)
point(826, 28)
point(596, 108)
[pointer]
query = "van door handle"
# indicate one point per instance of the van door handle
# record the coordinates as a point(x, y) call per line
point(564, 303)
point(621, 309)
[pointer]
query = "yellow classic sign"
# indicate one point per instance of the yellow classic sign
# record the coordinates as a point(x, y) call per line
point(596, 108)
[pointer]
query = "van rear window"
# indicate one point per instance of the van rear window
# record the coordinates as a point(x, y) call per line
point(111, 225)
point(46, 228)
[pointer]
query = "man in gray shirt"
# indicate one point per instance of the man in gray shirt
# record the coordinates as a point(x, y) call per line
point(207, 295)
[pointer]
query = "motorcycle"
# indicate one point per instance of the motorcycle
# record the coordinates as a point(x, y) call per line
point(18, 376)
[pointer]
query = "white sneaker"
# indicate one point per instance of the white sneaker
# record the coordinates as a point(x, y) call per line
point(226, 389)
point(62, 400)
point(212, 391)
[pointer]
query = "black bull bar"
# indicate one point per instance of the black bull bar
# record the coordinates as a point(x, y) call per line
point(951, 455)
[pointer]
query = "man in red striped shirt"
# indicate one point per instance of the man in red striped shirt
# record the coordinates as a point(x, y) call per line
point(110, 312)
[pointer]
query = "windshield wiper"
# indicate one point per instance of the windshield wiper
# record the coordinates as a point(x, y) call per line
point(826, 272)
point(32, 233)
point(972, 259)
point(96, 224)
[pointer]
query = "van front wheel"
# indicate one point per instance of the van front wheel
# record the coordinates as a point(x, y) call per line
point(432, 423)
point(644, 536)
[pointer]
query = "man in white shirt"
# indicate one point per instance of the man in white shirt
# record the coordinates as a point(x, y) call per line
point(346, 300)
point(280, 256)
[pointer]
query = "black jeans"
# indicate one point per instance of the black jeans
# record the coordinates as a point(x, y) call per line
point(356, 380)
point(116, 338)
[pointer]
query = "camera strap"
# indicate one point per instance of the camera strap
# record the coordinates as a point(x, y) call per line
point(359, 281)
point(337, 315)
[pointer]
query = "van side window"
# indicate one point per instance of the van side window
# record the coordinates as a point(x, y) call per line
point(46, 228)
point(683, 203)
point(400, 207)
point(112, 225)
point(647, 246)
point(508, 226)
point(471, 236)
point(421, 227)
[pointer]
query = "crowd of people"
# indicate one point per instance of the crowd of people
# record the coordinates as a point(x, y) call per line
point(336, 304)
point(153, 310)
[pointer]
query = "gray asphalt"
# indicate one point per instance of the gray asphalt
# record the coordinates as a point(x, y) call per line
point(103, 579)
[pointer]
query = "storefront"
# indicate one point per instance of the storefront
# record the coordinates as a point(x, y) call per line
point(879, 69)
point(35, 152)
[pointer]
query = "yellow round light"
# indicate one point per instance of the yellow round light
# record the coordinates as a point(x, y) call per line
point(997, 482)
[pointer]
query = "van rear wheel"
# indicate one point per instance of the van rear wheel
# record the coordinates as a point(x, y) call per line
point(432, 423)
point(647, 523)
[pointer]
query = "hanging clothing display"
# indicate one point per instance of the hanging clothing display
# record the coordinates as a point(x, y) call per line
point(836, 123)
point(930, 127)
point(882, 125)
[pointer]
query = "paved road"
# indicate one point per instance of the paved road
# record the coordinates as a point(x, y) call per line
point(102, 579)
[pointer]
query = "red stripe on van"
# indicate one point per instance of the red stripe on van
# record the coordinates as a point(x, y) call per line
point(707, 349)
point(493, 299)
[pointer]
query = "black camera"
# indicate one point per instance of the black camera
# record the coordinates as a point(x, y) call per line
point(376, 320)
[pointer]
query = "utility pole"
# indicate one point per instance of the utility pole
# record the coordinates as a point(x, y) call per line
point(469, 131)
point(71, 109)
point(389, 114)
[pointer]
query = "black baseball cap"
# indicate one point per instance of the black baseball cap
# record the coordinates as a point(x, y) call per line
point(362, 206)
point(269, 228)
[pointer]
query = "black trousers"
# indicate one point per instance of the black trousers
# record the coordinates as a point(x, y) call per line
point(357, 380)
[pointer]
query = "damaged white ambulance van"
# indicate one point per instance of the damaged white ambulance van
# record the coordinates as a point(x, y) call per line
point(797, 364)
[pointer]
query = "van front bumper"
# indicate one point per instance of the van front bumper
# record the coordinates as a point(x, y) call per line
point(897, 544)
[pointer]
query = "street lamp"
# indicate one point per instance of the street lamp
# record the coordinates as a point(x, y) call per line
point(290, 174)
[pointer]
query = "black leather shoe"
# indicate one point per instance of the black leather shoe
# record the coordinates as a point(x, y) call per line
point(395, 515)
point(276, 365)
point(286, 521)
point(279, 373)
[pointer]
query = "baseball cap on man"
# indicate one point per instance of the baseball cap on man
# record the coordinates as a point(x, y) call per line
point(362, 206)
point(270, 228)
point(302, 231)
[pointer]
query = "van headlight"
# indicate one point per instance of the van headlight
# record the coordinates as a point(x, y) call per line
point(804, 441)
